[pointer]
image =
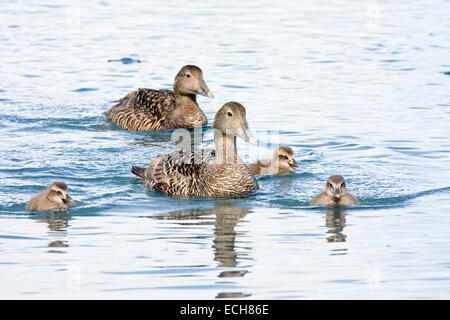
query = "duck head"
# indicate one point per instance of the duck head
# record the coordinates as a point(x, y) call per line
point(231, 121)
point(58, 192)
point(285, 157)
point(189, 80)
point(335, 187)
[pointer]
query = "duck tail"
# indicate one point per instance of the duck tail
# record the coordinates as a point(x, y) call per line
point(138, 171)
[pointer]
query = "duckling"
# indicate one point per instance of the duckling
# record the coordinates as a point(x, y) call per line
point(56, 197)
point(151, 110)
point(335, 194)
point(282, 162)
point(206, 173)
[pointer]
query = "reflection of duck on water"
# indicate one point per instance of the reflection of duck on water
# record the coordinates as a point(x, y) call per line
point(227, 217)
point(57, 221)
point(224, 243)
point(335, 220)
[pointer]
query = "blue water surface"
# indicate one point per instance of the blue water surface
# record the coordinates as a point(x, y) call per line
point(357, 88)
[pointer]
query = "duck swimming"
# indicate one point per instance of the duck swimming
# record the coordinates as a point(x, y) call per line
point(282, 162)
point(206, 173)
point(149, 110)
point(56, 197)
point(335, 194)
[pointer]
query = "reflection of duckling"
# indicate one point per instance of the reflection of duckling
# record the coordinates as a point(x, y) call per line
point(148, 109)
point(206, 173)
point(56, 197)
point(335, 194)
point(282, 162)
point(335, 220)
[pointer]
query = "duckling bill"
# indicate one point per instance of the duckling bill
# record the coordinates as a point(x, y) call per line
point(152, 110)
point(56, 197)
point(282, 162)
point(206, 173)
point(335, 194)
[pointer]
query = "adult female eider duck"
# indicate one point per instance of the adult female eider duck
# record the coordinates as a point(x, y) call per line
point(335, 194)
point(282, 162)
point(206, 173)
point(56, 197)
point(151, 110)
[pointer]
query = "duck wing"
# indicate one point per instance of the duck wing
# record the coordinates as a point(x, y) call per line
point(143, 110)
point(179, 173)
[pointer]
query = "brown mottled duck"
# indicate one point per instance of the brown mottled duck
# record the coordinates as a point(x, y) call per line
point(206, 173)
point(151, 110)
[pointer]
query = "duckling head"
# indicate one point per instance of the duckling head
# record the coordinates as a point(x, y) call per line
point(285, 157)
point(58, 192)
point(231, 121)
point(335, 187)
point(189, 80)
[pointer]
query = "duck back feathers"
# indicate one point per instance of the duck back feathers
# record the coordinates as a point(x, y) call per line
point(196, 174)
point(144, 110)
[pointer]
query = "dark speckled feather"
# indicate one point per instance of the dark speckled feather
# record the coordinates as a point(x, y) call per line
point(196, 174)
point(144, 110)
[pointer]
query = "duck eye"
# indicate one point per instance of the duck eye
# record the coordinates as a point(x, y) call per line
point(343, 184)
point(329, 184)
point(229, 114)
point(188, 75)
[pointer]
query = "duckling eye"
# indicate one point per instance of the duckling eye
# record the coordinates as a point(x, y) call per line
point(343, 184)
point(188, 75)
point(59, 192)
point(329, 185)
point(229, 114)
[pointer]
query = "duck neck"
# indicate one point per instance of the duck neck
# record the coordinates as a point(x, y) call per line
point(226, 151)
point(187, 113)
point(185, 99)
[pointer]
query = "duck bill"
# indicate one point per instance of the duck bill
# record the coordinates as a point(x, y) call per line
point(204, 90)
point(247, 135)
point(294, 164)
point(69, 201)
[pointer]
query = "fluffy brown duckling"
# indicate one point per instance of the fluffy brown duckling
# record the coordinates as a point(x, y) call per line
point(282, 162)
point(56, 197)
point(149, 110)
point(206, 173)
point(335, 194)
